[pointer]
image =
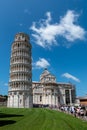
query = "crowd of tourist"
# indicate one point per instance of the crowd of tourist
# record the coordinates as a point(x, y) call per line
point(77, 111)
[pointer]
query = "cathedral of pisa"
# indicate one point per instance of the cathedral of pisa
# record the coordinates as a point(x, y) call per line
point(25, 93)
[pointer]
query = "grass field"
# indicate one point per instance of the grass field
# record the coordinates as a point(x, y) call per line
point(38, 119)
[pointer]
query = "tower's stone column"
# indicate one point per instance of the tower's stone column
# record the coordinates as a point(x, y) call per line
point(20, 81)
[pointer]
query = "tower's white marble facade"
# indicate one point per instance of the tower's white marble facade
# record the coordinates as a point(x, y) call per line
point(20, 81)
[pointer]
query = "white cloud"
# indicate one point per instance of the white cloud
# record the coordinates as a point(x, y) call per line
point(72, 31)
point(69, 76)
point(5, 84)
point(41, 63)
point(45, 32)
point(2, 83)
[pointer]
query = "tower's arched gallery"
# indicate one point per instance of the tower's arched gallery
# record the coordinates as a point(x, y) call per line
point(20, 82)
point(22, 92)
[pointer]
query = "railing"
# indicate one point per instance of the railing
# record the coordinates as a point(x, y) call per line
point(12, 63)
point(11, 80)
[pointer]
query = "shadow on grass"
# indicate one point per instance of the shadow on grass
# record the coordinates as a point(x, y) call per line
point(3, 115)
point(6, 122)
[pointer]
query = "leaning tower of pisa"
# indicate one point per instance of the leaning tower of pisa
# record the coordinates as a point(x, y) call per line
point(20, 80)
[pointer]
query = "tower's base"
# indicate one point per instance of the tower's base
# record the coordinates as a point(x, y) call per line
point(20, 101)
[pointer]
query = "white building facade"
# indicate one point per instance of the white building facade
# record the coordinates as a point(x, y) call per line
point(48, 92)
point(20, 81)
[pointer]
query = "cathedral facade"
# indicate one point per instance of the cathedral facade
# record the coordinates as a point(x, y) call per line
point(48, 92)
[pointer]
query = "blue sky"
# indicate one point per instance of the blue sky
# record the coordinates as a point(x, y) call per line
point(58, 34)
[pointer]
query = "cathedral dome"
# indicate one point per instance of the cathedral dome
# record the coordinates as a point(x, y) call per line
point(46, 76)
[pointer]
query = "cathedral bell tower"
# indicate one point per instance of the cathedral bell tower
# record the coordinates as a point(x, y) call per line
point(20, 80)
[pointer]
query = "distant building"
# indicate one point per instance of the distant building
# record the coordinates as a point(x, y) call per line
point(2, 99)
point(83, 100)
point(48, 92)
point(20, 82)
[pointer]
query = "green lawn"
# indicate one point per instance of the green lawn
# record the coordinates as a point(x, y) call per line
point(38, 119)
